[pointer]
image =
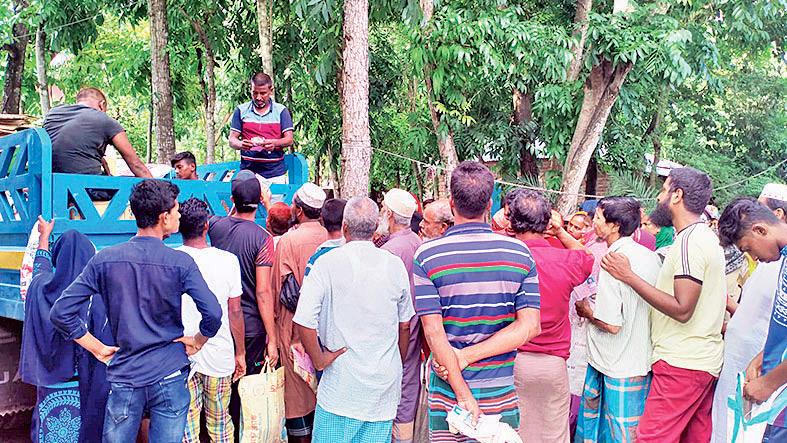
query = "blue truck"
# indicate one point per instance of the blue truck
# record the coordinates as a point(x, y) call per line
point(29, 188)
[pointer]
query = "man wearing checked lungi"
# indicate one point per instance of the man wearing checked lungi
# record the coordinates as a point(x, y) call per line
point(619, 349)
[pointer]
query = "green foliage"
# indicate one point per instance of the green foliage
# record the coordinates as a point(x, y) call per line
point(713, 71)
point(631, 184)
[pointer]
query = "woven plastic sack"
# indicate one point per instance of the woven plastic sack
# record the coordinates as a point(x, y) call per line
point(262, 407)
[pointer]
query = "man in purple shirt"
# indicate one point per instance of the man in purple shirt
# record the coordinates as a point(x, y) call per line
point(398, 208)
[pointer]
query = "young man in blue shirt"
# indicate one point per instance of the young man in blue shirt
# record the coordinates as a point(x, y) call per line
point(141, 283)
point(753, 228)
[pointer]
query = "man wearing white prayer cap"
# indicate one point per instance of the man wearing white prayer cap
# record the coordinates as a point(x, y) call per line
point(774, 196)
point(311, 195)
point(292, 254)
point(398, 209)
point(746, 331)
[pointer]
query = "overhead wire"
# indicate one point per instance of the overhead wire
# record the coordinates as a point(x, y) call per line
point(768, 169)
point(502, 182)
point(553, 191)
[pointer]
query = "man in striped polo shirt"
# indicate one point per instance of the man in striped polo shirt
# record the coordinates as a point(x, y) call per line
point(476, 293)
point(261, 129)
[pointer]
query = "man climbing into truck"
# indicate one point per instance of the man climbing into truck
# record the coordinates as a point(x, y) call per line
point(80, 134)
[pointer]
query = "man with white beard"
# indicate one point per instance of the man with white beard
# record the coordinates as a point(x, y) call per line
point(437, 219)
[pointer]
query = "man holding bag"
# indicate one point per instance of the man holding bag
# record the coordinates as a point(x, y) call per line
point(361, 386)
point(289, 266)
point(240, 235)
point(223, 358)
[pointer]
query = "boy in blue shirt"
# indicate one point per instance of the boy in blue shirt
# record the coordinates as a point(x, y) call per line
point(756, 230)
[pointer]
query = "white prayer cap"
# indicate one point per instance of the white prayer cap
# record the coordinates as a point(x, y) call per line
point(400, 202)
point(311, 195)
point(776, 191)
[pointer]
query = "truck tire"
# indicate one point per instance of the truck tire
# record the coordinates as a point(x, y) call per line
point(17, 399)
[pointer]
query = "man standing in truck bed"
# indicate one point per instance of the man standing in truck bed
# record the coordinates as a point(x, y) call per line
point(261, 129)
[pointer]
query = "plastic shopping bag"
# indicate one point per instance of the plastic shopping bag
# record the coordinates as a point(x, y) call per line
point(262, 407)
point(747, 424)
point(489, 428)
point(304, 368)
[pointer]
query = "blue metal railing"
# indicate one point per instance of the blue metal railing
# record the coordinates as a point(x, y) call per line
point(25, 183)
point(28, 188)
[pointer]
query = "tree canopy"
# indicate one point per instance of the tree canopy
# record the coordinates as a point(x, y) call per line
point(700, 82)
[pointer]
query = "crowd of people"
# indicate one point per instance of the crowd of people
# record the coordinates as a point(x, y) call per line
point(490, 310)
point(613, 325)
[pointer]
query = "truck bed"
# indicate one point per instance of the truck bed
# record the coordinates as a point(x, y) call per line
point(29, 188)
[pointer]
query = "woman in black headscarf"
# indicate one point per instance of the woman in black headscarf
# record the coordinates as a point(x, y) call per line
point(49, 360)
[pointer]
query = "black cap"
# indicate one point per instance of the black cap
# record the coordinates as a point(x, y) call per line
point(246, 189)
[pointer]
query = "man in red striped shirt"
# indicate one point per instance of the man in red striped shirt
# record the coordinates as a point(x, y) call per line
point(261, 129)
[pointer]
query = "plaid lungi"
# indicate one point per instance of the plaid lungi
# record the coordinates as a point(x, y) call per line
point(332, 428)
point(441, 399)
point(213, 395)
point(611, 407)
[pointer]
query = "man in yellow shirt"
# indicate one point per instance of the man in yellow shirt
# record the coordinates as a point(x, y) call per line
point(688, 303)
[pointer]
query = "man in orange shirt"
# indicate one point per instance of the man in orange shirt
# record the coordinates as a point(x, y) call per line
point(292, 254)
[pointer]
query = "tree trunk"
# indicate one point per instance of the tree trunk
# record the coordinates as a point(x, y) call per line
point(332, 170)
point(216, 140)
point(210, 108)
point(15, 64)
point(650, 133)
point(265, 29)
point(654, 173)
point(601, 90)
point(41, 63)
point(356, 140)
point(318, 171)
point(445, 136)
point(161, 80)
point(523, 115)
point(579, 35)
point(149, 152)
point(418, 180)
point(591, 180)
point(654, 134)
point(208, 84)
